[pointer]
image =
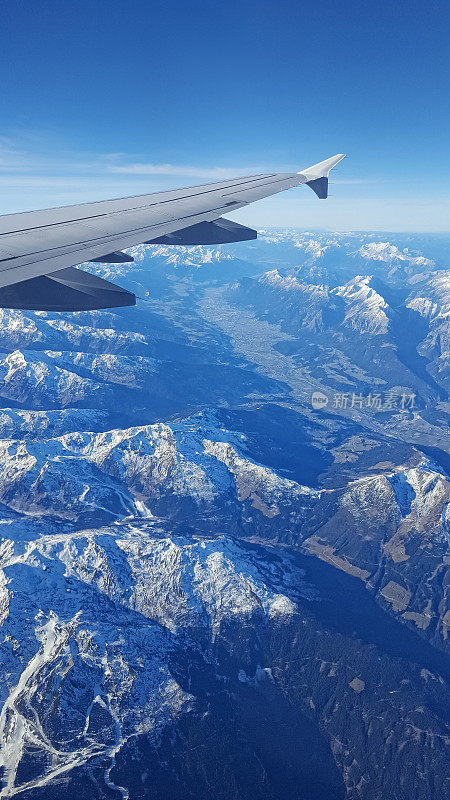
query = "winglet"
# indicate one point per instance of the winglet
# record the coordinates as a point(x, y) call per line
point(317, 175)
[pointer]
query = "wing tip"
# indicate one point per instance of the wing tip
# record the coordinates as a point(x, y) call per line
point(322, 169)
point(316, 177)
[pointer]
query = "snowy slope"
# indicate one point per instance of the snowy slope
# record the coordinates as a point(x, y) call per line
point(89, 630)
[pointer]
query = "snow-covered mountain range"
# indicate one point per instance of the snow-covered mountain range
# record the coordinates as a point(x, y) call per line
point(211, 587)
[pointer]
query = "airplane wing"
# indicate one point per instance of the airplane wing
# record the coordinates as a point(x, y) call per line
point(38, 249)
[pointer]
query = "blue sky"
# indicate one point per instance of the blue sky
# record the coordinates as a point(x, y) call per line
point(108, 98)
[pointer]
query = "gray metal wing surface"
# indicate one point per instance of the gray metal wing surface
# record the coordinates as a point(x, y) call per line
point(39, 249)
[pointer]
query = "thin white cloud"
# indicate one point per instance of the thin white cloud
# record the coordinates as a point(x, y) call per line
point(15, 158)
point(182, 169)
point(20, 157)
point(355, 181)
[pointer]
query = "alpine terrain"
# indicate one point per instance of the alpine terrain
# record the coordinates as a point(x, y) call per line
point(225, 527)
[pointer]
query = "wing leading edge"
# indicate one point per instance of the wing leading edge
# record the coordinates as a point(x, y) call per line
point(39, 249)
